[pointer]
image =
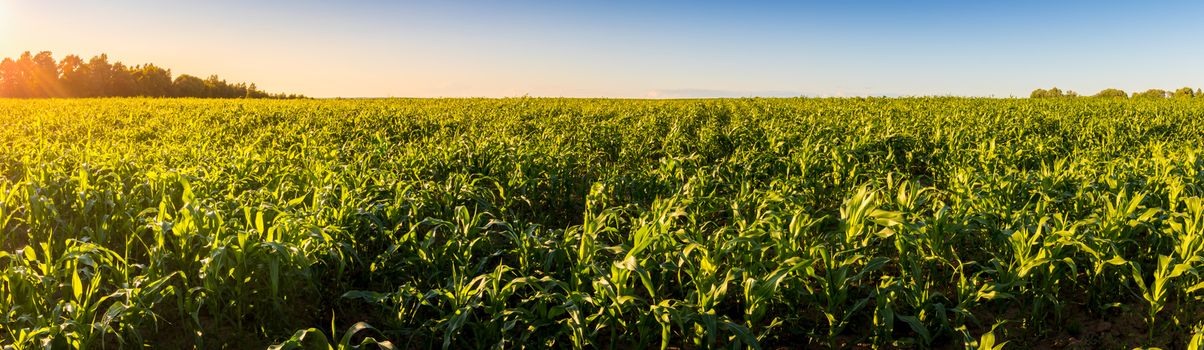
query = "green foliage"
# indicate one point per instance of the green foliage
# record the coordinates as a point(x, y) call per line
point(557, 223)
point(1112, 93)
point(1052, 93)
point(1185, 92)
point(38, 76)
point(1152, 93)
point(314, 339)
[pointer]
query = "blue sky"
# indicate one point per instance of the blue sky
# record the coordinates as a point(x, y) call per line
point(635, 48)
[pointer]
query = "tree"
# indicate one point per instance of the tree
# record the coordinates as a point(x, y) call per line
point(1112, 93)
point(29, 84)
point(11, 82)
point(1052, 93)
point(45, 76)
point(72, 75)
point(1151, 93)
point(121, 82)
point(98, 73)
point(1185, 93)
point(188, 86)
point(214, 86)
point(39, 76)
point(152, 81)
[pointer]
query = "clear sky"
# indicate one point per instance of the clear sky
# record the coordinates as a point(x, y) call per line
point(634, 48)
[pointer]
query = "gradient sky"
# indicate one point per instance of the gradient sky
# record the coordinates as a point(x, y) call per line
point(634, 48)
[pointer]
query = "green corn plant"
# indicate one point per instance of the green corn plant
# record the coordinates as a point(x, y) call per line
point(312, 338)
point(709, 288)
point(585, 237)
point(985, 342)
point(618, 286)
point(860, 212)
point(759, 293)
point(836, 275)
point(591, 223)
point(884, 312)
point(1188, 231)
point(1159, 288)
point(1197, 339)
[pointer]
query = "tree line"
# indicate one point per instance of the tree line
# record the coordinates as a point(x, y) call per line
point(1118, 93)
point(41, 76)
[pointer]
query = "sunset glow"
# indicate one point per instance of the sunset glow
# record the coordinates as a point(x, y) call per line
point(5, 24)
point(630, 49)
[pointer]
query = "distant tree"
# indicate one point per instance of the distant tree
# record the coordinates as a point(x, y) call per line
point(1151, 93)
point(1199, 93)
point(188, 86)
point(30, 75)
point(1052, 93)
point(152, 81)
point(214, 86)
point(12, 84)
point(1185, 93)
point(73, 75)
point(1112, 93)
point(39, 76)
point(45, 76)
point(98, 77)
point(29, 83)
point(122, 82)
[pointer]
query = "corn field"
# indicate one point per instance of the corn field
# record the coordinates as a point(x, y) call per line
point(602, 224)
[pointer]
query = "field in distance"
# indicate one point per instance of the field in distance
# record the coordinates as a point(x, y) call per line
point(594, 223)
